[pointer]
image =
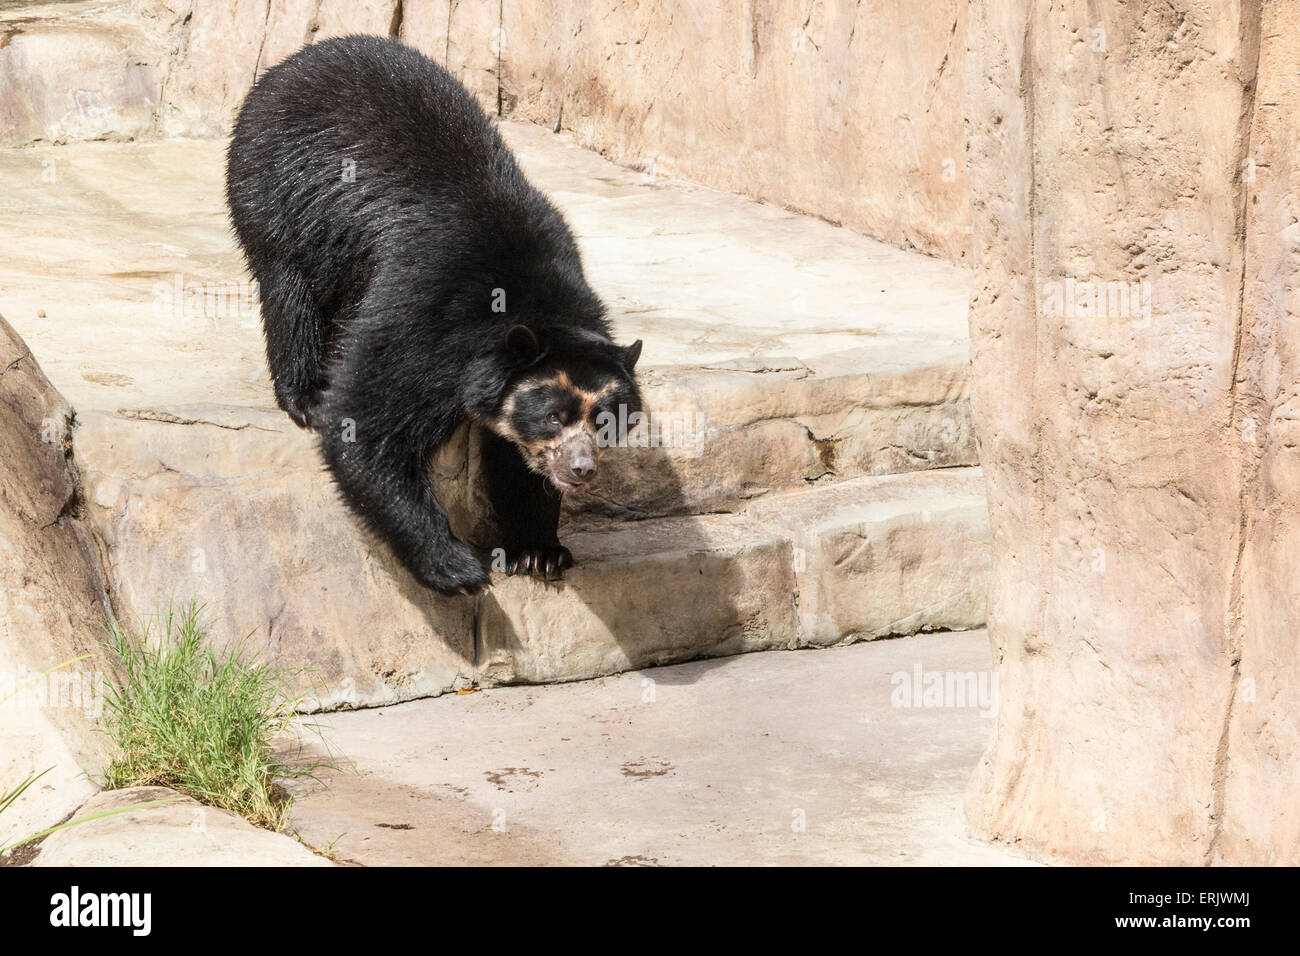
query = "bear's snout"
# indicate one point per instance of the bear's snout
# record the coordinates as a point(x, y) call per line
point(574, 464)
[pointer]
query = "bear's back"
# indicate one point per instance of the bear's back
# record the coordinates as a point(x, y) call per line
point(359, 149)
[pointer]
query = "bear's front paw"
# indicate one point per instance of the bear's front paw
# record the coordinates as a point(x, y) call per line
point(455, 570)
point(546, 561)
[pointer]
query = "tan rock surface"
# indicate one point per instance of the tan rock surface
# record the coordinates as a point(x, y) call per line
point(154, 305)
point(77, 71)
point(52, 604)
point(231, 507)
point(866, 375)
point(881, 556)
point(1135, 575)
point(847, 112)
point(1260, 796)
point(234, 510)
point(711, 763)
point(462, 35)
point(651, 592)
point(181, 832)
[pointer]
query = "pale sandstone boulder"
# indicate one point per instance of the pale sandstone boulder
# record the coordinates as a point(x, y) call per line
point(232, 508)
point(52, 604)
point(76, 72)
point(1137, 576)
point(173, 831)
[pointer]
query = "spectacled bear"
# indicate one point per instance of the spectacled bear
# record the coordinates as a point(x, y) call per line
point(411, 278)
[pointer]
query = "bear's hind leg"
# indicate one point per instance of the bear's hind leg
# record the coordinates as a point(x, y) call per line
point(295, 343)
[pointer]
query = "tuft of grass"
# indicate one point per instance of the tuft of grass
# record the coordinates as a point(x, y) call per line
point(201, 721)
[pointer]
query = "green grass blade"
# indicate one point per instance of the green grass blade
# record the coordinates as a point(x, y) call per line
point(80, 820)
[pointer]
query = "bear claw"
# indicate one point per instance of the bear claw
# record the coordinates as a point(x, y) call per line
point(547, 561)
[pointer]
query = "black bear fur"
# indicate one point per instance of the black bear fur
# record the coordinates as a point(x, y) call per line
point(411, 278)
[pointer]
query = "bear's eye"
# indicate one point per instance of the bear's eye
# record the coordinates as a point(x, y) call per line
point(553, 418)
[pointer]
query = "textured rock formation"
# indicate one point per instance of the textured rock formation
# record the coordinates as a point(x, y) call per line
point(849, 112)
point(52, 607)
point(845, 111)
point(177, 832)
point(1259, 799)
point(231, 507)
point(1134, 231)
point(76, 71)
point(220, 46)
point(234, 510)
point(881, 556)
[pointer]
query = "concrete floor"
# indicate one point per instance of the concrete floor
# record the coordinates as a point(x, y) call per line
point(715, 762)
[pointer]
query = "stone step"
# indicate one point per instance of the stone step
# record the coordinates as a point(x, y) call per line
point(232, 508)
point(754, 427)
point(891, 555)
point(789, 350)
point(866, 558)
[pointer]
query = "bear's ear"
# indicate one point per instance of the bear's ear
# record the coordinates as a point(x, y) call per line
point(522, 344)
point(631, 354)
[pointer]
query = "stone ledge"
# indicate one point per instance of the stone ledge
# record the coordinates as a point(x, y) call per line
point(231, 507)
point(652, 592)
point(917, 544)
point(181, 833)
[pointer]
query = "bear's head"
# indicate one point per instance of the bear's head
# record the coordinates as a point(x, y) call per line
point(571, 394)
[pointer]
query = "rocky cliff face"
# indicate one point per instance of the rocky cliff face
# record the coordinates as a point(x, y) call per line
point(52, 603)
point(846, 111)
point(1134, 394)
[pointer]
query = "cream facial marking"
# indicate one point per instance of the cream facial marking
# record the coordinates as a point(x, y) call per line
point(551, 420)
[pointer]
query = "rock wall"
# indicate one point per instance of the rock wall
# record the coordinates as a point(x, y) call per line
point(1259, 795)
point(847, 111)
point(52, 604)
point(1134, 392)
